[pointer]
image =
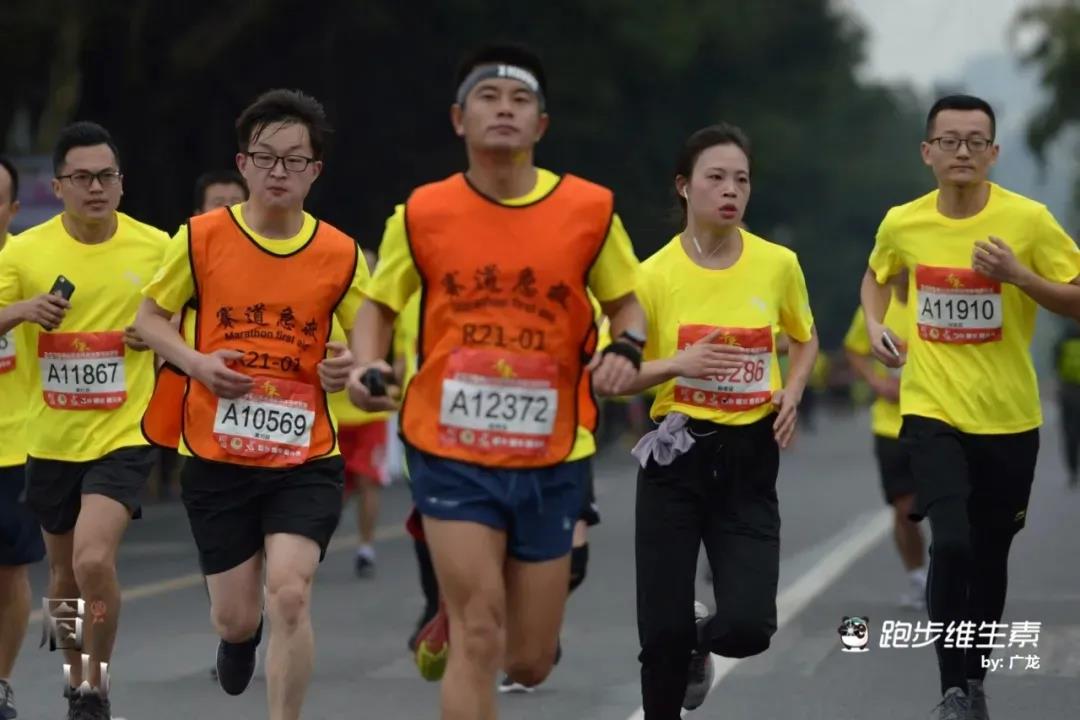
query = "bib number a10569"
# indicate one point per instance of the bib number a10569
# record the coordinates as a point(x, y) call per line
point(274, 421)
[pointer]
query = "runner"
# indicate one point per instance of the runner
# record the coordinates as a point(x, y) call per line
point(20, 536)
point(503, 254)
point(1067, 365)
point(263, 481)
point(219, 188)
point(715, 296)
point(897, 483)
point(87, 461)
point(430, 641)
point(363, 438)
point(981, 259)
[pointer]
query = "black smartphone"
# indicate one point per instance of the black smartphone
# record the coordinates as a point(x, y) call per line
point(63, 287)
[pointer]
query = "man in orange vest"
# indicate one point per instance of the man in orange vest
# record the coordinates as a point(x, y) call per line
point(503, 254)
point(263, 480)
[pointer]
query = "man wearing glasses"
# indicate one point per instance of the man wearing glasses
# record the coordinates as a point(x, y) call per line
point(263, 479)
point(73, 284)
point(981, 258)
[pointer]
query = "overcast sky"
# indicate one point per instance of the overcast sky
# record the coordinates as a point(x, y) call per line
point(926, 41)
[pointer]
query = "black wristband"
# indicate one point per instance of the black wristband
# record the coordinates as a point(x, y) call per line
point(626, 350)
point(634, 339)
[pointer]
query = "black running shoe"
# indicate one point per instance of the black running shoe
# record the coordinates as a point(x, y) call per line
point(236, 663)
point(7, 701)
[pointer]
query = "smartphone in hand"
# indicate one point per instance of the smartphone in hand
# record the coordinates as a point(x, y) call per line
point(63, 288)
point(887, 341)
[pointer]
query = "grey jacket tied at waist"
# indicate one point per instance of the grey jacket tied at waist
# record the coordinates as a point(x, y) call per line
point(667, 442)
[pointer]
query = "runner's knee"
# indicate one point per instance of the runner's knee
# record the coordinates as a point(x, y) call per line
point(741, 637)
point(530, 670)
point(234, 621)
point(92, 566)
point(482, 631)
point(289, 602)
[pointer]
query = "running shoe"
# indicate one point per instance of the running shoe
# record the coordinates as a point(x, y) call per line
point(700, 677)
point(953, 706)
point(7, 702)
point(433, 647)
point(977, 701)
point(236, 663)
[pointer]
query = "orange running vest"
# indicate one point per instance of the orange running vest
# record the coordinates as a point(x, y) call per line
point(506, 327)
point(277, 310)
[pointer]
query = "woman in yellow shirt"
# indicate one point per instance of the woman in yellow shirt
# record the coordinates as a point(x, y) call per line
point(715, 297)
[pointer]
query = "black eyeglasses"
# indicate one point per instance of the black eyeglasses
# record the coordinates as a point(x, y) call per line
point(951, 143)
point(292, 163)
point(84, 179)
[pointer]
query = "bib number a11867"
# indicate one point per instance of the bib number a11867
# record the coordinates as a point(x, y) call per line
point(82, 371)
point(497, 401)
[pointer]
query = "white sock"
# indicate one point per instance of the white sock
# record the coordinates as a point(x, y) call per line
point(918, 577)
point(367, 551)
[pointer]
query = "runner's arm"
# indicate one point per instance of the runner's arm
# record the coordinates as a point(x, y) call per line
point(1059, 298)
point(373, 332)
point(802, 357)
point(156, 327)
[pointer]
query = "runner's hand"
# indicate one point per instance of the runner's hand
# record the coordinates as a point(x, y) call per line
point(334, 370)
point(786, 417)
point(611, 373)
point(133, 340)
point(887, 388)
point(880, 350)
point(995, 260)
point(362, 398)
point(46, 310)
point(705, 359)
point(212, 370)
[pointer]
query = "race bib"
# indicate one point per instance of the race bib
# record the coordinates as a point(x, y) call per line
point(7, 352)
point(82, 371)
point(743, 388)
point(273, 421)
point(957, 306)
point(496, 401)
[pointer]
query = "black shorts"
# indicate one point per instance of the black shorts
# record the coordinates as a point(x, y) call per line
point(993, 473)
point(54, 488)
point(590, 511)
point(232, 508)
point(20, 534)
point(894, 467)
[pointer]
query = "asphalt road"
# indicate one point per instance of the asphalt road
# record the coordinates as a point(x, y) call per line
point(837, 559)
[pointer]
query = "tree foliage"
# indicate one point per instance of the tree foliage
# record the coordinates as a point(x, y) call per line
point(629, 80)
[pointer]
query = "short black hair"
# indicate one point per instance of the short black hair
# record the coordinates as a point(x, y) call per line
point(961, 102)
point(702, 140)
point(81, 134)
point(216, 177)
point(284, 106)
point(14, 174)
point(504, 54)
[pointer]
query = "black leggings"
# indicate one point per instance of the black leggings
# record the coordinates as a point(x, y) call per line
point(721, 492)
point(967, 581)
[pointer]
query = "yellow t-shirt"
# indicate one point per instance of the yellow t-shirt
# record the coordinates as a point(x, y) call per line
point(107, 278)
point(406, 336)
point(763, 292)
point(613, 275)
point(173, 285)
point(884, 415)
point(344, 412)
point(980, 388)
point(15, 364)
